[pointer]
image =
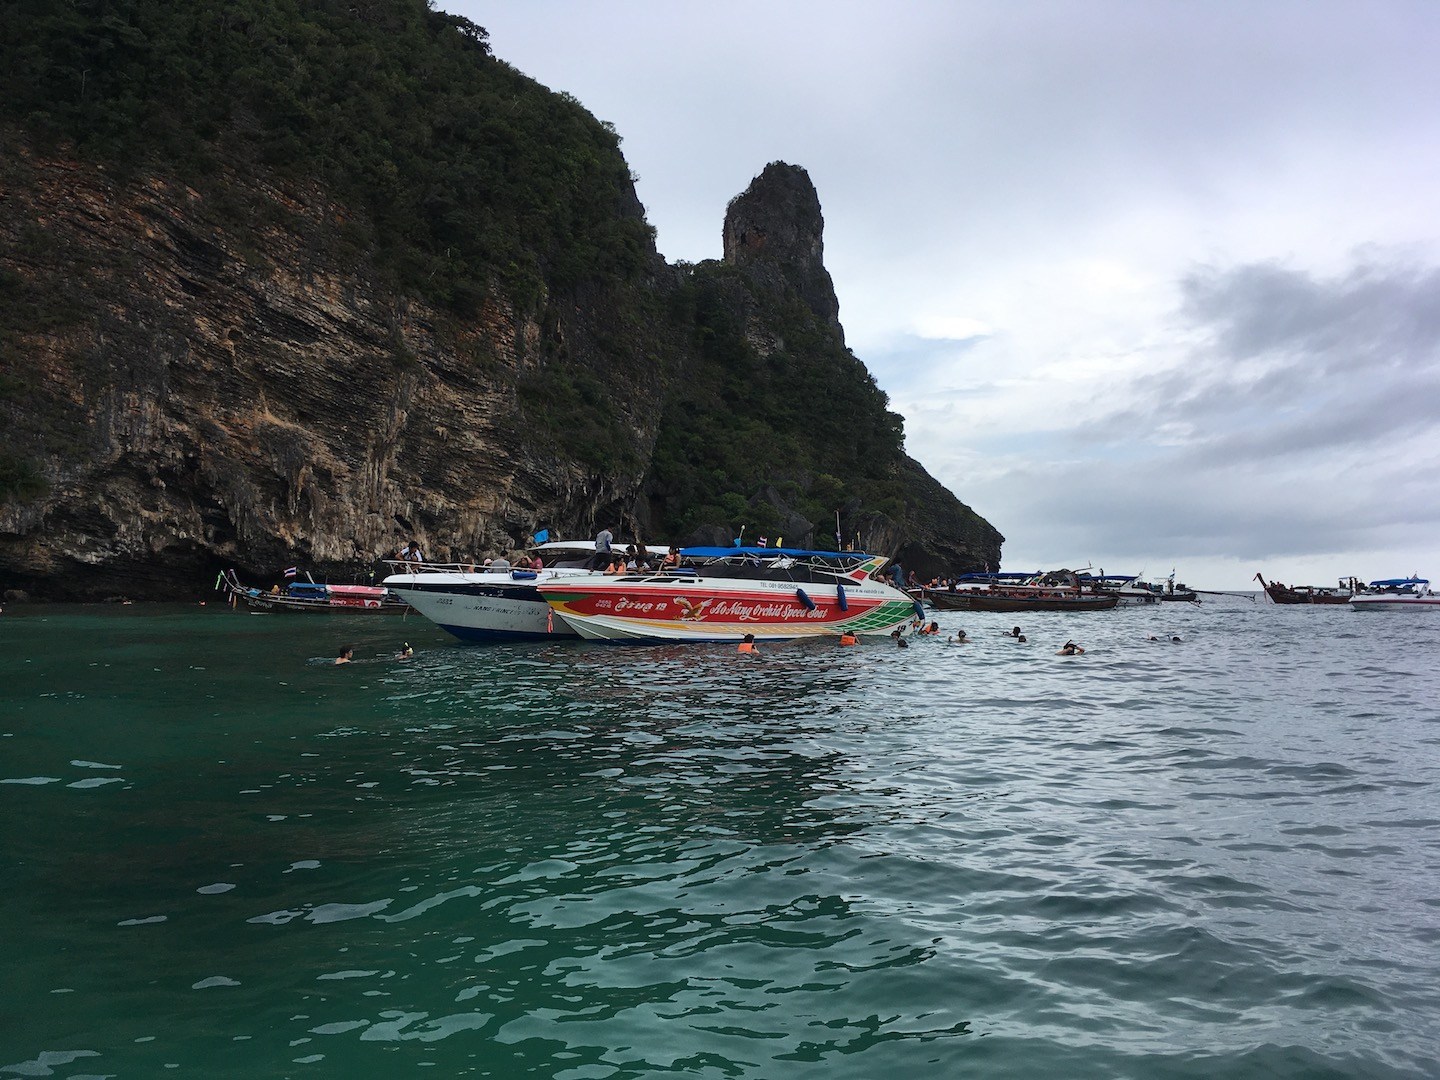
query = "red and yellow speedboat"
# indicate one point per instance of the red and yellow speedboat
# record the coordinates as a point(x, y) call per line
point(722, 594)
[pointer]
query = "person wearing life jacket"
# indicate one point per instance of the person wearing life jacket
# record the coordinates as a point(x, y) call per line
point(847, 638)
point(748, 645)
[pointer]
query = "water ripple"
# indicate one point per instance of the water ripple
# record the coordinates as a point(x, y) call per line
point(1216, 857)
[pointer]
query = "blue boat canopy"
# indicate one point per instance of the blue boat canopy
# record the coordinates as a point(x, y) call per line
point(1394, 581)
point(770, 553)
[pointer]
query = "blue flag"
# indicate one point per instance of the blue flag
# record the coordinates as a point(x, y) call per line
point(542, 536)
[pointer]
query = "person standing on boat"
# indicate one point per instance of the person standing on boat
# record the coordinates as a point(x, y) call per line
point(411, 552)
point(603, 539)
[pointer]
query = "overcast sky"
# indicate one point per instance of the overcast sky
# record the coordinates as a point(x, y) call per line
point(1154, 284)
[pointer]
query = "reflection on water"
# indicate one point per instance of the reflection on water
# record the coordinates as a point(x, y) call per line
point(1210, 857)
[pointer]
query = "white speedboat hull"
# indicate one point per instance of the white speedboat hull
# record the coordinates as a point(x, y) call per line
point(1393, 603)
point(482, 606)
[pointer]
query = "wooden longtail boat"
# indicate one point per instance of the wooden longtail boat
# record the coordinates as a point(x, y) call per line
point(1059, 590)
point(1308, 594)
point(312, 596)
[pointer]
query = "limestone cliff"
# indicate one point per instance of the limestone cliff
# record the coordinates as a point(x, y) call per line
point(219, 355)
point(194, 397)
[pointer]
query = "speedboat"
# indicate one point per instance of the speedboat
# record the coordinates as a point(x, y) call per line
point(1130, 589)
point(724, 594)
point(1393, 594)
point(488, 603)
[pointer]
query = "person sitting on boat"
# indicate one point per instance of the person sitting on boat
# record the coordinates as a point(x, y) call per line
point(345, 655)
point(672, 558)
point(748, 645)
point(1069, 649)
point(411, 552)
point(500, 564)
point(615, 566)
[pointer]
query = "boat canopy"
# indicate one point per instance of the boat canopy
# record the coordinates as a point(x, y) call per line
point(1008, 575)
point(1396, 582)
point(363, 592)
point(770, 553)
point(1109, 577)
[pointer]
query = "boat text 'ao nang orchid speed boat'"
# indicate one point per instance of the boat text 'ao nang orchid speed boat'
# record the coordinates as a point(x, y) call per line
point(723, 594)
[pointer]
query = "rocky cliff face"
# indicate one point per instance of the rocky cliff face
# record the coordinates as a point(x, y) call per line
point(191, 397)
point(179, 394)
point(774, 231)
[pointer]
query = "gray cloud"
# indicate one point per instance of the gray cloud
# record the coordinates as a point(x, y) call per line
point(1111, 187)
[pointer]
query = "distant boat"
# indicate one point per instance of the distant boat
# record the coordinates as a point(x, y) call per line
point(313, 596)
point(1395, 594)
point(1131, 589)
point(1058, 590)
point(1178, 591)
point(1308, 594)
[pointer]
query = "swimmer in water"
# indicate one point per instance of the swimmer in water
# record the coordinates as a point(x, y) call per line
point(748, 645)
point(405, 653)
point(345, 654)
point(1069, 649)
point(959, 638)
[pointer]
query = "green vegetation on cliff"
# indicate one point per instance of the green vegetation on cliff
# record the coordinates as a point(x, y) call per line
point(460, 170)
point(747, 437)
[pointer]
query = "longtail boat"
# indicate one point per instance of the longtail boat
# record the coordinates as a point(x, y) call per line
point(1309, 594)
point(1058, 590)
point(311, 596)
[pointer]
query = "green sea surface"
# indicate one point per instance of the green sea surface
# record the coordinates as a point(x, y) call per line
point(225, 856)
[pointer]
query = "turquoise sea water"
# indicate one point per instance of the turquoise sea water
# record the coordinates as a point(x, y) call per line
point(225, 857)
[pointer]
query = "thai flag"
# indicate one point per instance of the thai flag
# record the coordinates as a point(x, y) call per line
point(291, 571)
